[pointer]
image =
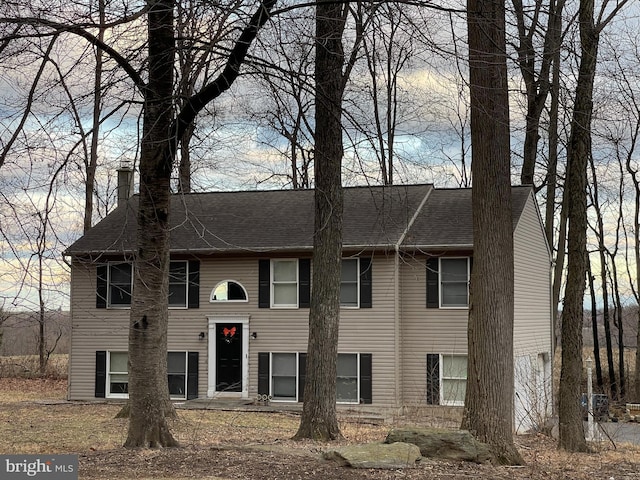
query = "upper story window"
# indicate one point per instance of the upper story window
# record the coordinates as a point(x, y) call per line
point(448, 282)
point(114, 285)
point(228, 291)
point(284, 283)
point(349, 282)
point(120, 281)
point(454, 282)
point(178, 284)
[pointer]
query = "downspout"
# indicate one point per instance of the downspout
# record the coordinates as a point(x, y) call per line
point(397, 307)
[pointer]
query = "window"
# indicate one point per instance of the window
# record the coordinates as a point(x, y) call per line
point(120, 284)
point(228, 291)
point(284, 283)
point(112, 375)
point(454, 282)
point(114, 284)
point(177, 374)
point(284, 376)
point(347, 384)
point(448, 282)
point(178, 285)
point(446, 379)
point(349, 277)
point(454, 379)
point(118, 375)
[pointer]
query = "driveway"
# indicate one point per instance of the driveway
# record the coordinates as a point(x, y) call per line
point(617, 432)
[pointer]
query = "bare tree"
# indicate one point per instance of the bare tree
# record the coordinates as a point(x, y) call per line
point(319, 420)
point(537, 80)
point(603, 254)
point(579, 150)
point(488, 406)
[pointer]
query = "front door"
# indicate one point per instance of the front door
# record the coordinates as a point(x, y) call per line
point(229, 357)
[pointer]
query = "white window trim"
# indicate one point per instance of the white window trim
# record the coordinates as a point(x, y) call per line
point(108, 393)
point(246, 295)
point(109, 304)
point(357, 306)
point(358, 379)
point(284, 400)
point(442, 378)
point(186, 373)
point(440, 290)
point(186, 286)
point(297, 356)
point(272, 284)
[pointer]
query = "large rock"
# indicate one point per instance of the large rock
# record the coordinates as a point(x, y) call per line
point(452, 445)
point(376, 455)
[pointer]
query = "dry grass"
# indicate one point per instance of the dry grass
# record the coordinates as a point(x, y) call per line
point(28, 366)
point(35, 418)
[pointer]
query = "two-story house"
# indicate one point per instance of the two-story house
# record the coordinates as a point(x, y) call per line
point(239, 291)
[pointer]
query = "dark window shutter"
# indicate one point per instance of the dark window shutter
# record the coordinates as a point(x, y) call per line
point(101, 373)
point(194, 284)
point(302, 375)
point(264, 283)
point(366, 378)
point(304, 282)
point(433, 292)
point(263, 373)
point(433, 379)
point(192, 375)
point(101, 286)
point(365, 283)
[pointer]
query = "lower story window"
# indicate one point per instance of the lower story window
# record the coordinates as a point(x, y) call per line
point(284, 376)
point(177, 374)
point(347, 383)
point(446, 379)
point(118, 376)
point(454, 379)
point(182, 368)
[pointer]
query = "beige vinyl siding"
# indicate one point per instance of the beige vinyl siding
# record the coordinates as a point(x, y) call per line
point(96, 329)
point(92, 329)
point(532, 302)
point(424, 330)
point(278, 330)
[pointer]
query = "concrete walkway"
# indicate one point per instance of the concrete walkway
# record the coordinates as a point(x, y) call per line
point(618, 432)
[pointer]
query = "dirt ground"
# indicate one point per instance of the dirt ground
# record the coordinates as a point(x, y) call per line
point(34, 418)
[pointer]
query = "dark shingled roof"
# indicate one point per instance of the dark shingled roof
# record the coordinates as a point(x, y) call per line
point(446, 218)
point(259, 221)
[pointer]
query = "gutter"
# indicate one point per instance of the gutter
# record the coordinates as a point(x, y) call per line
point(397, 306)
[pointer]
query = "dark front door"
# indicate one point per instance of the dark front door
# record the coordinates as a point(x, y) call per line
point(228, 357)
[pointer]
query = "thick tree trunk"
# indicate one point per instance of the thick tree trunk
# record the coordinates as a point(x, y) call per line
point(319, 420)
point(148, 388)
point(488, 410)
point(570, 415)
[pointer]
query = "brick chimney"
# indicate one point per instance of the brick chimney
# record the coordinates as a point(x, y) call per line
point(125, 182)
